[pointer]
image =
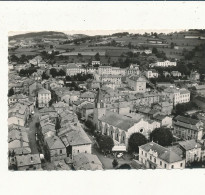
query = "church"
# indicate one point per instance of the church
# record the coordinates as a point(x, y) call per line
point(120, 127)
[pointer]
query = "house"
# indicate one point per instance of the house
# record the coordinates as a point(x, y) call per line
point(87, 109)
point(18, 142)
point(176, 74)
point(87, 96)
point(60, 106)
point(154, 156)
point(28, 162)
point(85, 161)
point(151, 73)
point(73, 69)
point(166, 63)
point(191, 150)
point(18, 114)
point(164, 106)
point(44, 96)
point(165, 121)
point(55, 149)
point(176, 95)
point(133, 69)
point(194, 76)
point(16, 97)
point(137, 83)
point(95, 63)
point(115, 79)
point(187, 128)
point(75, 140)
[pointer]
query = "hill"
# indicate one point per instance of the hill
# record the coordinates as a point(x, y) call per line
point(43, 34)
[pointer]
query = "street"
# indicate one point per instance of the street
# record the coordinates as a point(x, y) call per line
point(32, 133)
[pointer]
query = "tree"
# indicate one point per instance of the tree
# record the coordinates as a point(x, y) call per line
point(97, 57)
point(136, 140)
point(172, 45)
point(114, 163)
point(163, 136)
point(11, 92)
point(154, 50)
point(124, 166)
point(44, 76)
point(105, 143)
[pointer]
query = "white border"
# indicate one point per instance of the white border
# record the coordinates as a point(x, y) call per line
point(65, 16)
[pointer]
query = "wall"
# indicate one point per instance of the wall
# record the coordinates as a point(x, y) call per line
point(81, 149)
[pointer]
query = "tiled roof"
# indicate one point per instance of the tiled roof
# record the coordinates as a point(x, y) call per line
point(117, 120)
point(163, 153)
point(189, 144)
point(74, 135)
point(29, 159)
point(54, 143)
point(85, 161)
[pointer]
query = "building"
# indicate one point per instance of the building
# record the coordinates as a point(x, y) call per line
point(73, 69)
point(28, 162)
point(151, 74)
point(177, 96)
point(194, 76)
point(55, 149)
point(187, 128)
point(137, 83)
point(105, 70)
point(191, 150)
point(17, 97)
point(133, 69)
point(166, 63)
point(18, 114)
point(115, 79)
point(75, 140)
point(176, 74)
point(18, 142)
point(200, 89)
point(44, 96)
point(85, 161)
point(165, 121)
point(154, 156)
point(164, 107)
point(121, 127)
point(95, 63)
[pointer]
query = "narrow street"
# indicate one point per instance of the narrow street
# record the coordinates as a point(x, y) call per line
point(32, 134)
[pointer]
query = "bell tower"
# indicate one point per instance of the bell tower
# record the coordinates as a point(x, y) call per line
point(99, 108)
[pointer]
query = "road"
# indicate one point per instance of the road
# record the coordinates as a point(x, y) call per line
point(32, 134)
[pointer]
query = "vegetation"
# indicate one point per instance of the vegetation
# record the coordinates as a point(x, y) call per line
point(105, 143)
point(124, 166)
point(180, 109)
point(27, 72)
point(163, 136)
point(44, 76)
point(54, 73)
point(136, 140)
point(10, 92)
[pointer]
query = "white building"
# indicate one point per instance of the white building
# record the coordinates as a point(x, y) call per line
point(166, 63)
point(178, 96)
point(151, 74)
point(154, 156)
point(137, 83)
point(44, 96)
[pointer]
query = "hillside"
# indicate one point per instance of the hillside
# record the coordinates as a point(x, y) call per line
point(43, 34)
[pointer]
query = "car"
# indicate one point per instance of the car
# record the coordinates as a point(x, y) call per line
point(119, 155)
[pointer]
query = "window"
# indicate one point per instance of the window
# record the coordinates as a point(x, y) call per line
point(60, 151)
point(172, 166)
point(78, 151)
point(160, 162)
point(142, 152)
point(155, 160)
point(150, 157)
point(181, 164)
point(165, 166)
point(85, 151)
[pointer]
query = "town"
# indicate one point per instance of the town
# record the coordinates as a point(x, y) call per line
point(119, 101)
